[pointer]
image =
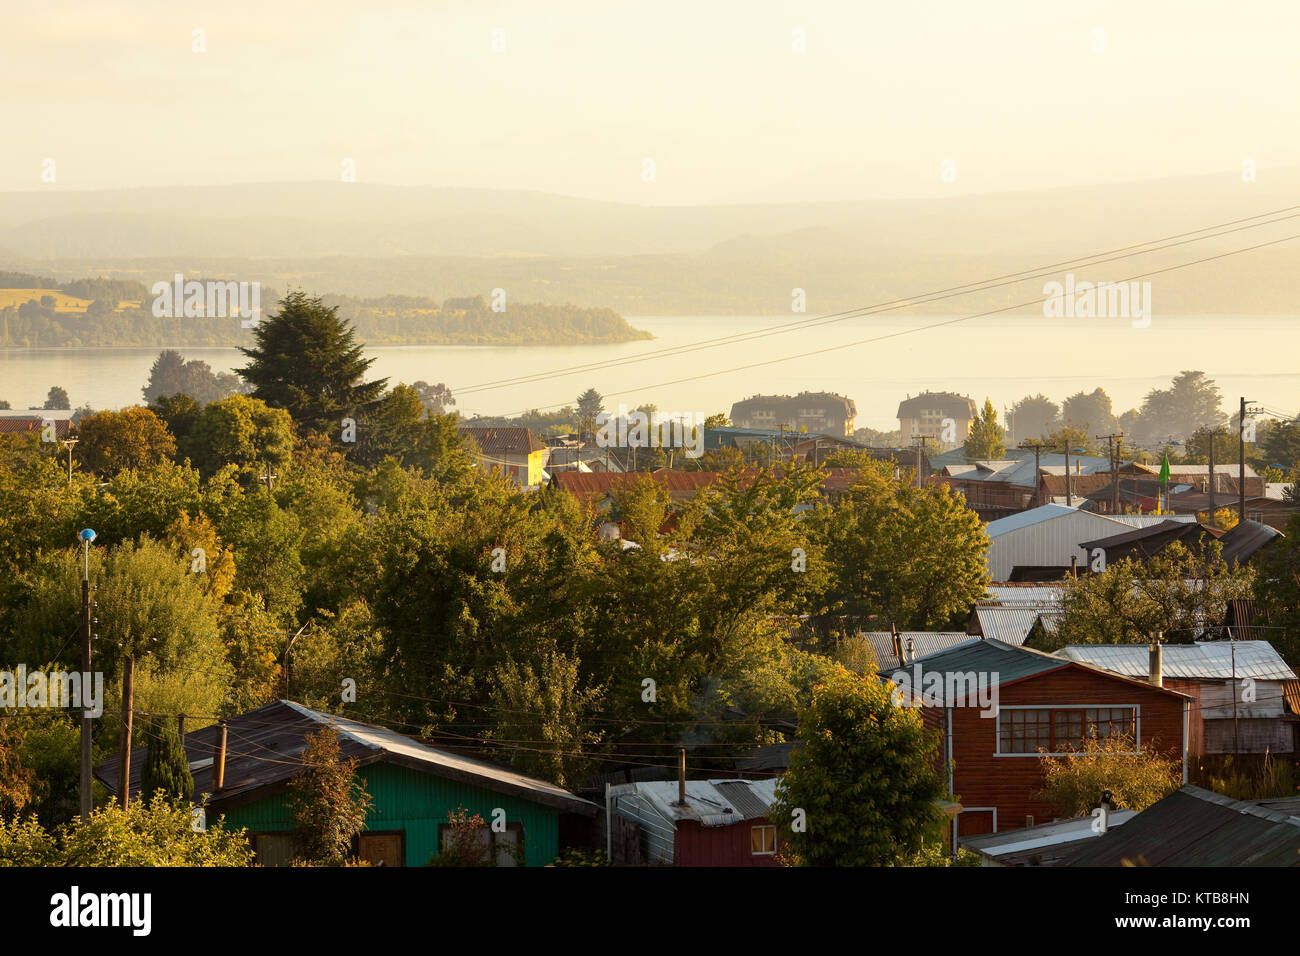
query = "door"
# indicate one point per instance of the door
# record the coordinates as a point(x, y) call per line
point(381, 849)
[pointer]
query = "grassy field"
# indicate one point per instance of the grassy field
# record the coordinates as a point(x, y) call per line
point(62, 302)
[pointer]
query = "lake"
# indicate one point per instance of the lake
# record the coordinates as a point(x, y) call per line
point(1002, 357)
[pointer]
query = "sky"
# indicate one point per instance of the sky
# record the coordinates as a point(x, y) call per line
point(1017, 94)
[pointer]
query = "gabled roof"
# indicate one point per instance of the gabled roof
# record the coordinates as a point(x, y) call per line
point(264, 751)
point(1009, 624)
point(1205, 660)
point(1001, 663)
point(1196, 827)
point(1164, 531)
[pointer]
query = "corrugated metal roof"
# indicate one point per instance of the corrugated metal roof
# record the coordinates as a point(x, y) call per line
point(1009, 624)
point(1195, 827)
point(264, 750)
point(1164, 527)
point(503, 441)
point(1038, 594)
point(997, 661)
point(1042, 845)
point(924, 643)
point(1026, 518)
point(1205, 660)
point(1244, 539)
point(711, 803)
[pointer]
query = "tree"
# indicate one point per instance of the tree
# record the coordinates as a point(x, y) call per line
point(241, 431)
point(1033, 417)
point(1277, 588)
point(437, 399)
point(1073, 784)
point(166, 768)
point(863, 789)
point(158, 833)
point(172, 375)
point(1178, 591)
point(327, 801)
point(985, 439)
point(1090, 413)
point(57, 398)
point(306, 361)
point(131, 438)
point(590, 404)
point(914, 556)
point(1281, 443)
point(1191, 401)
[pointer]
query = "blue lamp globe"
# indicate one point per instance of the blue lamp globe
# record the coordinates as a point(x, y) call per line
point(87, 534)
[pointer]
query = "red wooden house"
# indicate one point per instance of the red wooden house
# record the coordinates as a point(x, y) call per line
point(719, 823)
point(998, 705)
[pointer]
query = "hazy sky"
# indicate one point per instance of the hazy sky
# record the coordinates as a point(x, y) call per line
point(1011, 90)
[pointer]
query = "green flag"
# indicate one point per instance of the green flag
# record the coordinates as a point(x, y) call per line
point(1164, 470)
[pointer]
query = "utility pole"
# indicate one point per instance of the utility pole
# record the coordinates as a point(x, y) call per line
point(1241, 467)
point(1111, 451)
point(87, 620)
point(128, 697)
point(1037, 446)
point(1069, 498)
point(1211, 490)
point(70, 442)
point(919, 442)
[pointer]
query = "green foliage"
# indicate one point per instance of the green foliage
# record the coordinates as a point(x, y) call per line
point(131, 438)
point(306, 360)
point(572, 856)
point(913, 556)
point(986, 438)
point(240, 431)
point(171, 375)
point(160, 833)
point(865, 781)
point(1277, 589)
point(1178, 592)
point(166, 770)
point(1073, 784)
point(468, 841)
point(328, 802)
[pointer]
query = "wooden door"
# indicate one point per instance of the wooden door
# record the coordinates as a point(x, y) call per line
point(381, 849)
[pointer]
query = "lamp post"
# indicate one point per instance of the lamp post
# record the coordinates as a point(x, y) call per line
point(87, 535)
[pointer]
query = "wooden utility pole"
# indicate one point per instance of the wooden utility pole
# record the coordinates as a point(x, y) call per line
point(1241, 467)
point(919, 442)
point(1069, 498)
point(128, 697)
point(219, 762)
point(86, 796)
point(1037, 446)
point(1112, 451)
point(1211, 486)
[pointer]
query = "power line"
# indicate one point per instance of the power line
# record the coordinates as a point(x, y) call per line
point(924, 298)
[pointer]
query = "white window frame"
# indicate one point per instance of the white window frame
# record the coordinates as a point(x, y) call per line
point(762, 826)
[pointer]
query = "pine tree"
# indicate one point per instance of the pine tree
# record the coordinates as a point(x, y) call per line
point(985, 440)
point(306, 360)
point(166, 767)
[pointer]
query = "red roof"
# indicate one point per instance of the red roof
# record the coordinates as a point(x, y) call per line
point(19, 426)
point(504, 441)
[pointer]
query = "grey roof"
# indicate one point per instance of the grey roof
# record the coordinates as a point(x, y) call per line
point(1024, 519)
point(711, 803)
point(999, 661)
point(1205, 660)
point(264, 751)
point(1165, 526)
point(1009, 595)
point(924, 643)
point(1195, 827)
point(1042, 845)
point(1010, 624)
point(1245, 538)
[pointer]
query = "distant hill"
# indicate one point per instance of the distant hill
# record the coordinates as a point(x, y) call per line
point(372, 240)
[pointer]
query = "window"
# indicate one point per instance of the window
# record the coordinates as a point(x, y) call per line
point(762, 840)
point(505, 849)
point(1026, 730)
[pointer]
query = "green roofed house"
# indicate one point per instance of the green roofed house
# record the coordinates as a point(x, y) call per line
point(414, 787)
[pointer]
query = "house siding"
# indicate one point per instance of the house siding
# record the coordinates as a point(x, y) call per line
point(699, 845)
point(416, 803)
point(982, 778)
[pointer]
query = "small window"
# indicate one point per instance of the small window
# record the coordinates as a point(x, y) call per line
point(762, 840)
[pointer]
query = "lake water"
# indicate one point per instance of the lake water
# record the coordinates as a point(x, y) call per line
point(1001, 357)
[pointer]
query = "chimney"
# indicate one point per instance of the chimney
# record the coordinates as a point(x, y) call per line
point(219, 762)
point(911, 650)
point(681, 777)
point(1157, 670)
point(898, 644)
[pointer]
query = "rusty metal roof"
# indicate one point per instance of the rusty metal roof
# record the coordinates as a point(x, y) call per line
point(503, 441)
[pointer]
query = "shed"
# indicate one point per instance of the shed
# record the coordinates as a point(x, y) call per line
point(721, 823)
